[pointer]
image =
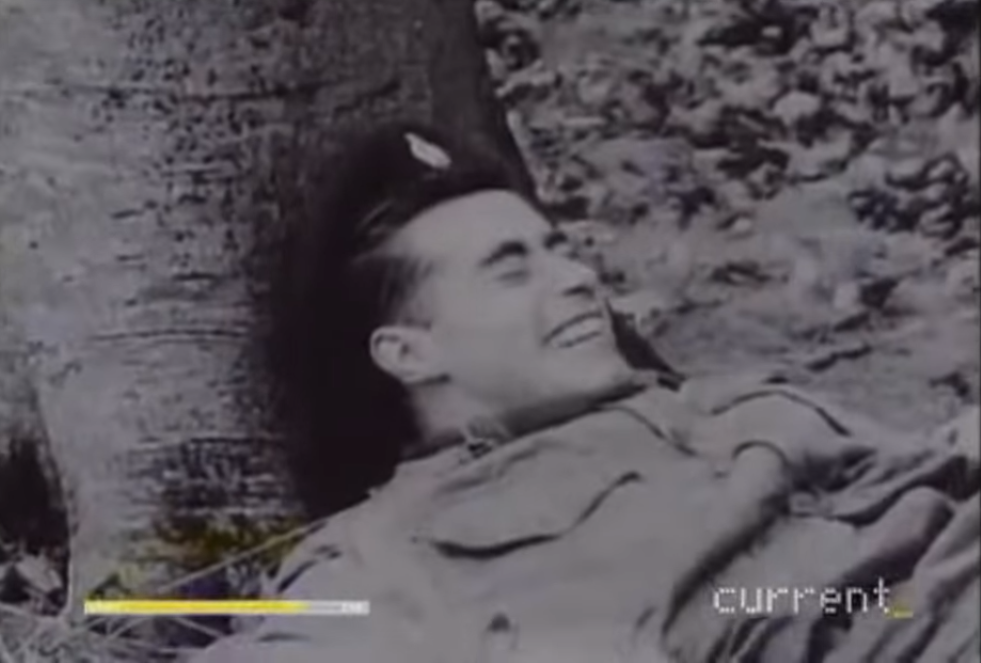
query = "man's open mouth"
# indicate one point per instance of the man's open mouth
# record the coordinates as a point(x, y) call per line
point(578, 329)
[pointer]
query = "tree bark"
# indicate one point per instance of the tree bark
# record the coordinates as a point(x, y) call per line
point(151, 153)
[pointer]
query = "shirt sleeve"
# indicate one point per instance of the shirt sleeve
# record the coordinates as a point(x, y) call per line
point(794, 425)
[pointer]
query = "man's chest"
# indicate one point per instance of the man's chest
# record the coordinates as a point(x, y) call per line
point(576, 541)
point(562, 541)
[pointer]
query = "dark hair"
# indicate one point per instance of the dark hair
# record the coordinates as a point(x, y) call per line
point(340, 280)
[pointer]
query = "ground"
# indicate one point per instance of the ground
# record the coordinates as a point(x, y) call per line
point(789, 184)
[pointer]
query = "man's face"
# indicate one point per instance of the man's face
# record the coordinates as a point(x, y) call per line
point(514, 318)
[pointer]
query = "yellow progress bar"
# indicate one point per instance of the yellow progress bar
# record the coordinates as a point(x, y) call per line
point(165, 607)
point(900, 613)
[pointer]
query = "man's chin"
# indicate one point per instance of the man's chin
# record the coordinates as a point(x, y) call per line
point(596, 375)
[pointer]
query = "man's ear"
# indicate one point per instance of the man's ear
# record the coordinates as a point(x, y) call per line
point(405, 353)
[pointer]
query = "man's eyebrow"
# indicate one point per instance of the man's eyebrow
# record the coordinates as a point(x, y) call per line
point(508, 249)
point(555, 238)
point(516, 248)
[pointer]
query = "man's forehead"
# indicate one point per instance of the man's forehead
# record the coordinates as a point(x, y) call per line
point(468, 227)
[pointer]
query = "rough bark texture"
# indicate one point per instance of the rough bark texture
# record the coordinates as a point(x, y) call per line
point(150, 151)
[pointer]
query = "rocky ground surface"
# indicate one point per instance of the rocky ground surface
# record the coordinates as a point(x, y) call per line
point(786, 184)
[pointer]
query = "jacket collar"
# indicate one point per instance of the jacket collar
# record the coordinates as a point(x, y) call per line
point(481, 435)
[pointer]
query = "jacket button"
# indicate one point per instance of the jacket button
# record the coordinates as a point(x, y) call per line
point(500, 639)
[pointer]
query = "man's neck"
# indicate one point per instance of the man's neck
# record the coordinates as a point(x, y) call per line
point(447, 420)
point(439, 410)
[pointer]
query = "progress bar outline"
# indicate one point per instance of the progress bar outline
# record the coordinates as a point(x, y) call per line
point(265, 607)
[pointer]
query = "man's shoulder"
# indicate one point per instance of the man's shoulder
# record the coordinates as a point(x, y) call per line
point(347, 549)
point(768, 394)
point(710, 392)
point(717, 394)
point(325, 548)
point(347, 545)
point(322, 566)
point(707, 394)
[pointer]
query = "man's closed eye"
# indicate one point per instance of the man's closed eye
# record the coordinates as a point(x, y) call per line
point(514, 270)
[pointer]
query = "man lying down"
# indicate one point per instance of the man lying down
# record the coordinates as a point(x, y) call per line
point(550, 504)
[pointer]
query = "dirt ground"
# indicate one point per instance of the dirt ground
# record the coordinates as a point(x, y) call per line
point(787, 185)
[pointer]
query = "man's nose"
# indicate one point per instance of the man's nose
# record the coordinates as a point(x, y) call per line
point(573, 276)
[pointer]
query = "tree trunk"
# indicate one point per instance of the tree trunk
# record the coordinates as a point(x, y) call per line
point(150, 153)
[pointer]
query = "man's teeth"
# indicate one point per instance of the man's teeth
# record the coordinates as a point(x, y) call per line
point(584, 328)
